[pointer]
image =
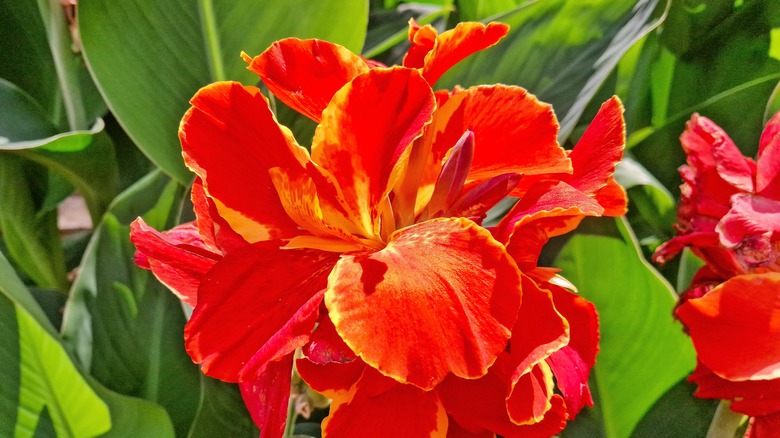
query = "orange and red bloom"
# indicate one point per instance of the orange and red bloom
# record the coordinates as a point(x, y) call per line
point(730, 217)
point(369, 254)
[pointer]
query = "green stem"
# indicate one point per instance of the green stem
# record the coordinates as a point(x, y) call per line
point(289, 427)
point(66, 64)
point(725, 422)
point(211, 34)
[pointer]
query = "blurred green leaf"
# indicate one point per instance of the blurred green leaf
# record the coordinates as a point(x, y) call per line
point(561, 51)
point(23, 118)
point(476, 10)
point(31, 235)
point(122, 323)
point(149, 58)
point(677, 414)
point(689, 266)
point(133, 417)
point(36, 373)
point(643, 350)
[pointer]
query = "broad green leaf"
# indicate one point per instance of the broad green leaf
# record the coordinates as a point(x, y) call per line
point(25, 59)
point(37, 375)
point(561, 51)
point(651, 205)
point(149, 58)
point(726, 42)
point(133, 417)
point(37, 54)
point(643, 350)
point(30, 234)
point(221, 412)
point(84, 158)
point(23, 118)
point(122, 323)
point(677, 414)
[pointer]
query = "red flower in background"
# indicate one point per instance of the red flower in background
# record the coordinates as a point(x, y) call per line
point(369, 253)
point(730, 217)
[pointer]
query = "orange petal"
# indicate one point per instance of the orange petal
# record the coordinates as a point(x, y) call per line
point(380, 407)
point(439, 283)
point(230, 139)
point(456, 44)
point(531, 395)
point(735, 328)
point(613, 198)
point(216, 233)
point(178, 257)
point(255, 306)
point(266, 398)
point(305, 74)
point(366, 131)
point(421, 39)
point(520, 138)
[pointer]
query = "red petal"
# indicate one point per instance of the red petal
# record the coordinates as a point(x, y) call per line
point(178, 258)
point(481, 405)
point(768, 170)
point(734, 327)
point(703, 140)
point(750, 397)
point(771, 130)
point(454, 430)
point(439, 283)
point(546, 200)
point(530, 398)
point(600, 148)
point(268, 396)
point(255, 306)
point(572, 363)
point(331, 379)
point(749, 218)
point(326, 345)
point(379, 407)
point(305, 74)
point(366, 131)
point(216, 233)
point(230, 140)
point(539, 330)
point(520, 138)
point(456, 44)
point(764, 426)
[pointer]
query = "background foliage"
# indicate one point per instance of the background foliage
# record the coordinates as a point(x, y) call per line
point(93, 109)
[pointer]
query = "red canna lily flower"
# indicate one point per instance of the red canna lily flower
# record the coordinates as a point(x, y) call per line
point(369, 253)
point(730, 217)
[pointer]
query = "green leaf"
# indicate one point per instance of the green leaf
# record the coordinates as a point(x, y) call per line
point(36, 373)
point(725, 42)
point(651, 204)
point(123, 324)
point(31, 235)
point(148, 69)
point(561, 51)
point(86, 159)
point(134, 418)
point(25, 59)
point(221, 412)
point(678, 414)
point(476, 10)
point(643, 350)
